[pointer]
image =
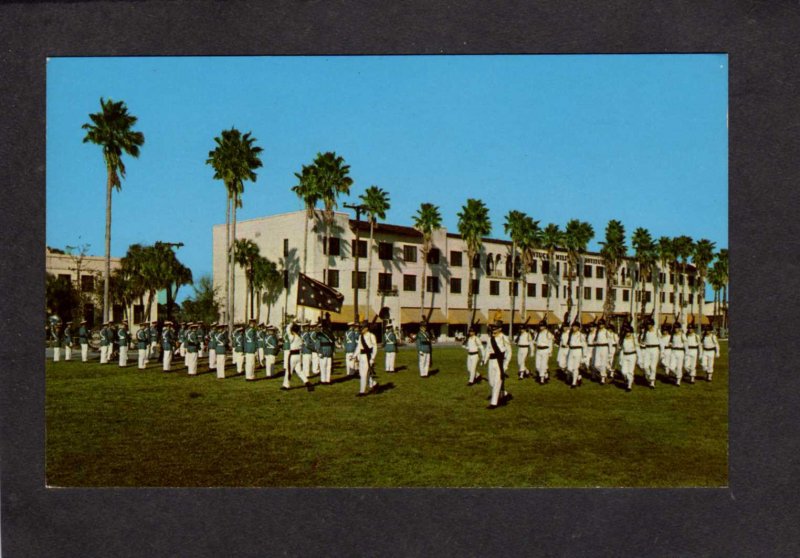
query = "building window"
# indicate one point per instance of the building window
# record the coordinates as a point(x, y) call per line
point(455, 258)
point(672, 298)
point(333, 278)
point(476, 286)
point(489, 265)
point(334, 246)
point(598, 293)
point(385, 250)
point(587, 271)
point(138, 313)
point(544, 290)
point(384, 282)
point(690, 280)
point(545, 267)
point(566, 292)
point(87, 283)
point(662, 298)
point(626, 295)
point(601, 272)
point(285, 247)
point(476, 261)
point(410, 281)
point(409, 254)
point(671, 278)
point(587, 293)
point(513, 286)
point(432, 284)
point(362, 279)
point(64, 278)
point(691, 298)
point(362, 248)
point(494, 288)
point(531, 289)
point(433, 256)
point(534, 266)
point(455, 285)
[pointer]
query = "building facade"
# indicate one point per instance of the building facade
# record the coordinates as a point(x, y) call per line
point(399, 275)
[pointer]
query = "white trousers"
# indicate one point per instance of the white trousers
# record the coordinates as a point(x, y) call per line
point(238, 359)
point(123, 355)
point(363, 370)
point(103, 354)
point(167, 360)
point(649, 363)
point(295, 367)
point(611, 354)
point(495, 381)
point(690, 362)
point(708, 362)
point(325, 366)
point(600, 360)
point(574, 359)
point(349, 363)
point(84, 352)
point(472, 366)
point(261, 356)
point(666, 355)
point(315, 363)
point(212, 359)
point(220, 365)
point(522, 359)
point(56, 354)
point(424, 364)
point(562, 357)
point(542, 361)
point(269, 363)
point(306, 363)
point(250, 366)
point(183, 349)
point(142, 358)
point(191, 363)
point(286, 360)
point(67, 352)
point(627, 364)
point(676, 359)
point(390, 357)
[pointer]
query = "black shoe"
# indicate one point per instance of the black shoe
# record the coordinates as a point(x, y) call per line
point(284, 388)
point(508, 397)
point(470, 383)
point(309, 386)
point(573, 386)
point(491, 407)
point(628, 388)
point(361, 394)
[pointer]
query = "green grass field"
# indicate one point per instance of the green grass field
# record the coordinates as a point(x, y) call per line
point(109, 426)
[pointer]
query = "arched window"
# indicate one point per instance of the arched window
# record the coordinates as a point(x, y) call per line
point(489, 264)
point(508, 267)
point(476, 261)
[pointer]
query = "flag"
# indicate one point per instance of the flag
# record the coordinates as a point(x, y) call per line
point(315, 294)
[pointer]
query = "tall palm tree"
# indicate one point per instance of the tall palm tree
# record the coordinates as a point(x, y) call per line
point(112, 129)
point(234, 160)
point(577, 235)
point(515, 228)
point(529, 241)
point(666, 257)
point(645, 257)
point(427, 221)
point(722, 258)
point(332, 181)
point(246, 252)
point(683, 246)
point(268, 283)
point(307, 190)
point(613, 250)
point(716, 279)
point(702, 257)
point(473, 225)
point(376, 202)
point(552, 238)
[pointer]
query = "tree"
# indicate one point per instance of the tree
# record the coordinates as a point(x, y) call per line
point(683, 247)
point(306, 189)
point(172, 272)
point(514, 226)
point(552, 238)
point(613, 250)
point(245, 254)
point(722, 259)
point(577, 235)
point(332, 181)
point(376, 202)
point(473, 225)
point(702, 257)
point(203, 307)
point(268, 282)
point(60, 297)
point(645, 257)
point(112, 129)
point(234, 160)
point(716, 279)
point(529, 241)
point(427, 221)
point(666, 257)
point(78, 255)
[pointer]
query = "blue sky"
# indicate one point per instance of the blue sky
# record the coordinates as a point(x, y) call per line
point(640, 138)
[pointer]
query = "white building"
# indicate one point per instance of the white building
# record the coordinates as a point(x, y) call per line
point(397, 272)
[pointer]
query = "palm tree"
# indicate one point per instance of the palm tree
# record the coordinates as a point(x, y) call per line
point(529, 241)
point(577, 235)
point(306, 189)
point(515, 228)
point(473, 225)
point(246, 252)
point(552, 238)
point(613, 250)
point(702, 257)
point(645, 257)
point(173, 274)
point(332, 181)
point(376, 202)
point(716, 277)
point(268, 283)
point(426, 221)
point(666, 257)
point(722, 259)
point(234, 160)
point(683, 247)
point(112, 129)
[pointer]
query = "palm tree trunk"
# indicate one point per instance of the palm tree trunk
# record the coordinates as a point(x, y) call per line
point(569, 288)
point(470, 294)
point(550, 270)
point(107, 274)
point(233, 265)
point(512, 283)
point(580, 284)
point(369, 268)
point(305, 259)
point(701, 302)
point(228, 263)
point(422, 287)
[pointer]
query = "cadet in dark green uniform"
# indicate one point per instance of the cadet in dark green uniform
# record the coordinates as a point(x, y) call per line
point(350, 341)
point(270, 350)
point(191, 349)
point(167, 345)
point(83, 340)
point(238, 348)
point(123, 338)
point(143, 344)
point(220, 340)
point(68, 341)
point(105, 344)
point(325, 342)
point(390, 346)
point(250, 344)
point(56, 335)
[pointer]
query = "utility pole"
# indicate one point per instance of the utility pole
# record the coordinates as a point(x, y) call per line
point(358, 209)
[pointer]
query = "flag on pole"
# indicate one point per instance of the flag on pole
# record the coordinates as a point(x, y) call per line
point(315, 294)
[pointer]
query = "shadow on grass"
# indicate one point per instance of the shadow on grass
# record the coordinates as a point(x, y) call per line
point(381, 388)
point(343, 379)
point(433, 372)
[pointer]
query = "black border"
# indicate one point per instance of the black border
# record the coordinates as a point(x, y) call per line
point(757, 515)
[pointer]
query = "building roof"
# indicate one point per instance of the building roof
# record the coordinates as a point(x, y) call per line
point(385, 228)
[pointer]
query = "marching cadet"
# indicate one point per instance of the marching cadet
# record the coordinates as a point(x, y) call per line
point(612, 332)
point(665, 352)
point(692, 352)
point(576, 349)
point(523, 349)
point(677, 350)
point(287, 341)
point(498, 355)
point(390, 347)
point(710, 347)
point(57, 338)
point(603, 342)
point(313, 332)
point(628, 350)
point(201, 339)
point(270, 349)
point(151, 334)
point(649, 344)
point(588, 359)
point(543, 345)
point(325, 344)
point(192, 344)
point(123, 338)
point(250, 346)
point(365, 353)
point(167, 345)
point(83, 340)
point(212, 346)
point(154, 337)
point(424, 349)
point(295, 345)
point(563, 347)
point(308, 342)
point(220, 341)
point(350, 340)
point(143, 344)
point(182, 340)
point(475, 353)
point(260, 335)
point(104, 343)
point(238, 348)
point(68, 341)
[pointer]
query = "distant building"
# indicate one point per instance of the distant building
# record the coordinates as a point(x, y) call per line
point(397, 276)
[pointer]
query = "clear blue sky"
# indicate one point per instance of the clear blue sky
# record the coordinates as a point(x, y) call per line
point(640, 138)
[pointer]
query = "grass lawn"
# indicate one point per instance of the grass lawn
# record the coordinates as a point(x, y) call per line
point(111, 426)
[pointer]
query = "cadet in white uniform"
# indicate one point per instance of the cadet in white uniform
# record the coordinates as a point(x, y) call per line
point(143, 344)
point(692, 352)
point(83, 337)
point(123, 339)
point(628, 351)
point(576, 349)
point(649, 344)
point(710, 347)
point(220, 340)
point(475, 353)
point(212, 346)
point(665, 352)
point(295, 347)
point(613, 350)
point(563, 348)
point(603, 343)
point(523, 350)
point(365, 353)
point(498, 355)
point(390, 347)
point(677, 348)
point(543, 344)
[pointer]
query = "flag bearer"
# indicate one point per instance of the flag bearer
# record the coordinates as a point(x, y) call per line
point(295, 346)
point(710, 347)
